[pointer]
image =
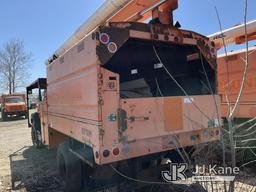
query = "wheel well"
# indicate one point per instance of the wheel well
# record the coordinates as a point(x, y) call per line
point(82, 151)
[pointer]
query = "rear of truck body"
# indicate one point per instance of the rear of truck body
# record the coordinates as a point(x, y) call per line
point(112, 93)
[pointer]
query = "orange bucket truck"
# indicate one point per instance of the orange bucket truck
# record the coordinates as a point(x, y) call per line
point(231, 68)
point(122, 94)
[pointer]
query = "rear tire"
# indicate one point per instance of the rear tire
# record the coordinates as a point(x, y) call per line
point(36, 130)
point(70, 169)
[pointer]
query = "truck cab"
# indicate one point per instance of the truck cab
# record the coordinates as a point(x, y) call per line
point(13, 105)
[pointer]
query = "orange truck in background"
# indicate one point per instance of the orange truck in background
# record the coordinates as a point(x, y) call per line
point(13, 105)
point(231, 68)
point(122, 95)
point(247, 104)
point(230, 74)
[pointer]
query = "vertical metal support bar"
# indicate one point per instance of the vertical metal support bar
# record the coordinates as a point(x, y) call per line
point(28, 108)
point(40, 94)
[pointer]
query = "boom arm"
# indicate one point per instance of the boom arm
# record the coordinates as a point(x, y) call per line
point(234, 35)
point(140, 10)
point(119, 11)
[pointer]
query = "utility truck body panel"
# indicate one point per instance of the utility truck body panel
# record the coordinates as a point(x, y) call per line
point(234, 63)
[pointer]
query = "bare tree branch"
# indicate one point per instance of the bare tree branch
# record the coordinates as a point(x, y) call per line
point(246, 65)
point(14, 65)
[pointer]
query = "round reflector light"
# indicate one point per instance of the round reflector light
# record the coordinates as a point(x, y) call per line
point(106, 153)
point(104, 38)
point(116, 151)
point(112, 47)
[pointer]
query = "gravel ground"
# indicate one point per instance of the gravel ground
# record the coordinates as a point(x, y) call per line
point(25, 168)
point(22, 166)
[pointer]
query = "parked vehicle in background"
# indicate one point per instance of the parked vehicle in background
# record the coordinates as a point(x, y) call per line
point(247, 104)
point(230, 74)
point(13, 105)
point(231, 68)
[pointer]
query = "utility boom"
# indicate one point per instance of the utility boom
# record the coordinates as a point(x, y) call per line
point(234, 35)
point(119, 11)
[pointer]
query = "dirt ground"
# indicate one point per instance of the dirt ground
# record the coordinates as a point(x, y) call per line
point(25, 168)
point(22, 166)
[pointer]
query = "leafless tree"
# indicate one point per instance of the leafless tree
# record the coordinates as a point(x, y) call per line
point(14, 65)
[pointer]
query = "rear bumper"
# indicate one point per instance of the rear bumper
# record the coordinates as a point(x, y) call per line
point(159, 144)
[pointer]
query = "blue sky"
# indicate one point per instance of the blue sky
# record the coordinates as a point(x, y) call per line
point(44, 25)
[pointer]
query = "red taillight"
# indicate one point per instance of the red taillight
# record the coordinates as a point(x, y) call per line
point(104, 38)
point(116, 151)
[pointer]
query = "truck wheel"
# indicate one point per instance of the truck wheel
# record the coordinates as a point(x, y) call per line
point(70, 169)
point(34, 137)
point(35, 129)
